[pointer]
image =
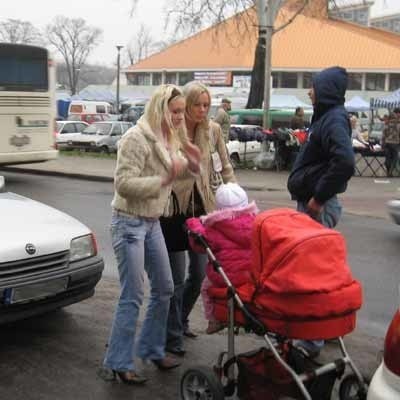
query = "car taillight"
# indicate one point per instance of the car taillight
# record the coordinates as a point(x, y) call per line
point(392, 345)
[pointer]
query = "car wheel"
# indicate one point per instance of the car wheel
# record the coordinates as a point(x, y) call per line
point(104, 150)
point(235, 160)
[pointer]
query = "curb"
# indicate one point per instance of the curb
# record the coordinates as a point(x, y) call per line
point(69, 175)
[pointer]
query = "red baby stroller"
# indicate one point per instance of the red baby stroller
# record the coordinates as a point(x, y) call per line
point(302, 288)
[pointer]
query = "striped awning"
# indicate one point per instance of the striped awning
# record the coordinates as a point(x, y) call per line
point(391, 101)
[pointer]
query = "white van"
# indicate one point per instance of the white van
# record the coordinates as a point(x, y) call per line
point(89, 107)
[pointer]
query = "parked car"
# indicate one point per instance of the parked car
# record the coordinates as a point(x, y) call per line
point(66, 130)
point(48, 259)
point(385, 384)
point(89, 118)
point(244, 143)
point(100, 136)
point(394, 210)
point(132, 114)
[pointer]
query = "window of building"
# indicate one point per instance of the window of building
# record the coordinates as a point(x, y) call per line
point(307, 80)
point(375, 81)
point(289, 80)
point(394, 81)
point(170, 77)
point(274, 79)
point(396, 25)
point(143, 79)
point(185, 77)
point(157, 78)
point(354, 81)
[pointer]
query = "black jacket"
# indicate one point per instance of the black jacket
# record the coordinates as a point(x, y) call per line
point(326, 161)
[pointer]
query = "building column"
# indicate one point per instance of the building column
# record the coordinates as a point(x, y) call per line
point(300, 80)
point(151, 78)
point(163, 78)
point(177, 79)
point(387, 82)
point(364, 81)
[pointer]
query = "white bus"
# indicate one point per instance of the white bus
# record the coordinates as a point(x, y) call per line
point(27, 104)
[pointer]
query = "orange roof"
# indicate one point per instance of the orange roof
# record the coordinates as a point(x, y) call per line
point(307, 43)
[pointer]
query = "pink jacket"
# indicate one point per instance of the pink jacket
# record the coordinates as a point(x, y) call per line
point(228, 233)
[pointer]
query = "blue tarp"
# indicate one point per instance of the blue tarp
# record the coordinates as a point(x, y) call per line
point(62, 108)
point(390, 101)
point(356, 104)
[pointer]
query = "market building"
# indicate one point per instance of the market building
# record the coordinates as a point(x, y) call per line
point(223, 55)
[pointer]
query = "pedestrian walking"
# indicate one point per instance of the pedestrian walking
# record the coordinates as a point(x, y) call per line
point(325, 162)
point(195, 196)
point(147, 163)
point(391, 142)
point(223, 119)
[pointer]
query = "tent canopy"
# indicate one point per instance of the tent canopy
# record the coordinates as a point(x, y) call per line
point(287, 101)
point(356, 104)
point(390, 101)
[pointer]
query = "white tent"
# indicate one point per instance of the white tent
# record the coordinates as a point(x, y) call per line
point(356, 104)
point(287, 101)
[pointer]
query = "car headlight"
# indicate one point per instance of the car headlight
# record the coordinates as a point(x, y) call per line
point(82, 247)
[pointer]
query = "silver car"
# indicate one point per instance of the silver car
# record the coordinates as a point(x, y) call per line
point(65, 130)
point(100, 136)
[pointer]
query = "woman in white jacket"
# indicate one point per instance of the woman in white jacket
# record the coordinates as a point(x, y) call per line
point(148, 162)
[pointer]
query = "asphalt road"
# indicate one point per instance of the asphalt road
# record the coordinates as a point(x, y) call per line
point(55, 356)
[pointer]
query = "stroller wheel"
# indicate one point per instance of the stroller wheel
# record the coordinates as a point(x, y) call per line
point(351, 389)
point(201, 383)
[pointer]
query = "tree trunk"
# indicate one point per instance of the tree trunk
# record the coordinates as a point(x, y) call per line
point(256, 94)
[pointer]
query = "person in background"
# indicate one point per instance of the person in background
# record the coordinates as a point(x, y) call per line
point(325, 162)
point(356, 131)
point(228, 232)
point(297, 122)
point(391, 141)
point(222, 118)
point(148, 162)
point(196, 197)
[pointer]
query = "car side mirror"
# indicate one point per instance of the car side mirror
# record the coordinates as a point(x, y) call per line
point(2, 184)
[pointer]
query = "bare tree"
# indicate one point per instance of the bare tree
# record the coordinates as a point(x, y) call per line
point(74, 39)
point(192, 15)
point(140, 45)
point(17, 31)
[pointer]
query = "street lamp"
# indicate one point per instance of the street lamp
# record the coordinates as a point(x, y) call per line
point(118, 68)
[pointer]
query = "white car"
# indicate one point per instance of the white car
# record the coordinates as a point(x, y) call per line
point(394, 210)
point(65, 130)
point(47, 258)
point(385, 384)
point(100, 136)
point(243, 144)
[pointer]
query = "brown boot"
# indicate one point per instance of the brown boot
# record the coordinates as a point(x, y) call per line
point(166, 363)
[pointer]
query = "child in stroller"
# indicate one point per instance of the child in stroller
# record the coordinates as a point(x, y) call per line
point(228, 232)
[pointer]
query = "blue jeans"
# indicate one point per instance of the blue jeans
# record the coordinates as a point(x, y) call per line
point(139, 247)
point(330, 213)
point(329, 217)
point(185, 295)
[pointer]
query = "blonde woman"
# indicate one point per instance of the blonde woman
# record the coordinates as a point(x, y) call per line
point(147, 164)
point(196, 197)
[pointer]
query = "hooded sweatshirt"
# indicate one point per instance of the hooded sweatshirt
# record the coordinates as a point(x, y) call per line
point(326, 161)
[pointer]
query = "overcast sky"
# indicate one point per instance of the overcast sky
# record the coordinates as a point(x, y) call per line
point(112, 16)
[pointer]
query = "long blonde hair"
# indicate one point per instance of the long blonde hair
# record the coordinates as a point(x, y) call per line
point(192, 90)
point(156, 111)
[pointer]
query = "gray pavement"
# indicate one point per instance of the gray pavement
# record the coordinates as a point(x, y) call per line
point(365, 196)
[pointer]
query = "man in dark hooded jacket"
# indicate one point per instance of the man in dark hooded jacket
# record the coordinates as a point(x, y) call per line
point(326, 161)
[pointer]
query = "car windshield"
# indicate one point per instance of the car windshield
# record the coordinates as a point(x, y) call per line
point(98, 129)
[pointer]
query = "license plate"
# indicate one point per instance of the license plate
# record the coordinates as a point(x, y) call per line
point(34, 291)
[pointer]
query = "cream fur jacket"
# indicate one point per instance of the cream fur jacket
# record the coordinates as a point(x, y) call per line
point(183, 186)
point(142, 161)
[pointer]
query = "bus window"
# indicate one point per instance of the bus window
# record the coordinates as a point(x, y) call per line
point(27, 108)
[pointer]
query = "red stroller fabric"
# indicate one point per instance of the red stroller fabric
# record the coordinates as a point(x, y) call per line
point(303, 285)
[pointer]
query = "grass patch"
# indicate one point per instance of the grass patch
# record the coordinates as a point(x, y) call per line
point(87, 154)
